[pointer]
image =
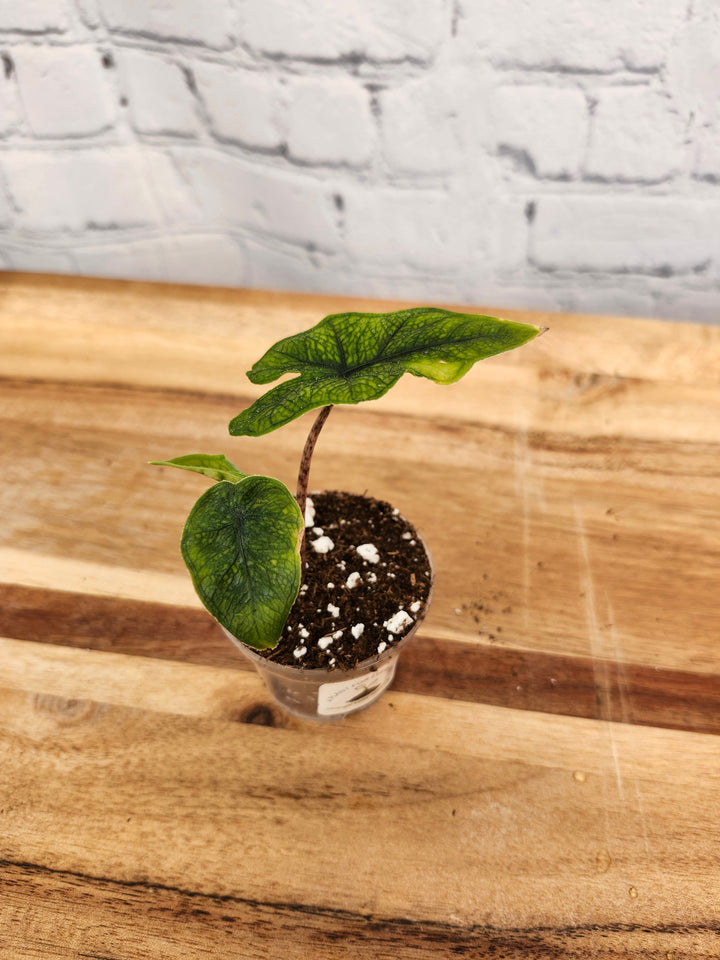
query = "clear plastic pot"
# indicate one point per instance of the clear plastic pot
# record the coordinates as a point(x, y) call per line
point(326, 695)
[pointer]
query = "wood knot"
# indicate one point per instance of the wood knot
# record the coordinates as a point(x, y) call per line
point(64, 710)
point(260, 714)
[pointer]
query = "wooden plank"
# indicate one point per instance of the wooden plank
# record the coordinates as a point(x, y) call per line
point(131, 780)
point(586, 371)
point(91, 917)
point(452, 669)
point(553, 546)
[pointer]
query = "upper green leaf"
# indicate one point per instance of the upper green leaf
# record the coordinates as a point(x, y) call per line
point(241, 546)
point(351, 357)
point(213, 465)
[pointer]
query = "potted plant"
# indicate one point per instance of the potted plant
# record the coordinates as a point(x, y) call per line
point(322, 592)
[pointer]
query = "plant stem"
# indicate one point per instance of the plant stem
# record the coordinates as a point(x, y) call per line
point(302, 484)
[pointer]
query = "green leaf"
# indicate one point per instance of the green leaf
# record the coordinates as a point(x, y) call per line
point(213, 465)
point(351, 357)
point(241, 546)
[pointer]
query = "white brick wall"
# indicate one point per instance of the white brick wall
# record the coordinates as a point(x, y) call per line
point(637, 136)
point(63, 90)
point(35, 16)
point(626, 234)
point(558, 155)
point(329, 123)
point(522, 113)
point(157, 93)
point(376, 30)
point(243, 106)
point(208, 23)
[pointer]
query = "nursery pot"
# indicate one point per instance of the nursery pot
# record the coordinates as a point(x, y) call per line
point(321, 694)
point(325, 693)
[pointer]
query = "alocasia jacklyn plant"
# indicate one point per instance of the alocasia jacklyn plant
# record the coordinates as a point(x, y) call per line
point(242, 541)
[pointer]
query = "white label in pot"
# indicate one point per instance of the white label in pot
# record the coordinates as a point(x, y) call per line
point(356, 693)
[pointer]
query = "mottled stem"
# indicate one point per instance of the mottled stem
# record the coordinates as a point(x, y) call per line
point(302, 484)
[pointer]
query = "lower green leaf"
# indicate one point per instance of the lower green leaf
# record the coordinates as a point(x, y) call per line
point(241, 545)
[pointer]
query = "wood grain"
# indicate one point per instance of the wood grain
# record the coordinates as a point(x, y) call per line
point(543, 779)
point(452, 669)
point(561, 548)
point(184, 924)
point(162, 794)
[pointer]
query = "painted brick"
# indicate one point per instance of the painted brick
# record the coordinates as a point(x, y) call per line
point(633, 300)
point(413, 286)
point(159, 99)
point(706, 162)
point(5, 208)
point(507, 219)
point(243, 106)
point(63, 90)
point(418, 126)
point(329, 123)
point(546, 127)
point(622, 233)
point(426, 230)
point(94, 188)
point(205, 258)
point(326, 29)
point(38, 259)
point(636, 135)
point(693, 70)
point(34, 16)
point(88, 11)
point(278, 203)
point(183, 20)
point(277, 267)
point(582, 35)
point(438, 122)
point(172, 199)
point(9, 102)
point(695, 306)
point(200, 258)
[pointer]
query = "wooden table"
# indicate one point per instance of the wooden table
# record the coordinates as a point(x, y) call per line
point(544, 778)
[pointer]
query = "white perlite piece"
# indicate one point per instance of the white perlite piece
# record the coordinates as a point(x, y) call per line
point(304, 633)
point(323, 545)
point(353, 580)
point(333, 610)
point(414, 607)
point(309, 513)
point(357, 630)
point(407, 535)
point(372, 577)
point(368, 551)
point(324, 642)
point(338, 634)
point(318, 531)
point(299, 652)
point(398, 622)
point(382, 646)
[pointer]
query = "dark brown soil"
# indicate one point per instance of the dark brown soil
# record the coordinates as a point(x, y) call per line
point(399, 580)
